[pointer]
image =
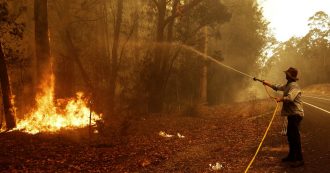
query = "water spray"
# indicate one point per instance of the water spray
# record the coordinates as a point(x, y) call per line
point(215, 61)
point(189, 48)
point(249, 76)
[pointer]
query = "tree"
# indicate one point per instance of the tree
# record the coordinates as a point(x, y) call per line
point(114, 55)
point(315, 44)
point(172, 15)
point(320, 20)
point(160, 62)
point(42, 40)
point(98, 64)
point(6, 93)
point(64, 66)
point(68, 55)
point(309, 53)
point(10, 31)
point(241, 43)
point(206, 19)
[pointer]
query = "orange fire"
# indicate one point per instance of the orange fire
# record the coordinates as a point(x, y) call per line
point(52, 115)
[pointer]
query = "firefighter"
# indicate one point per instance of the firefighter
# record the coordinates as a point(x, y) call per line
point(293, 110)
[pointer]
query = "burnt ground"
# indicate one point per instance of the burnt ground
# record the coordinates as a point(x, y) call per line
point(228, 134)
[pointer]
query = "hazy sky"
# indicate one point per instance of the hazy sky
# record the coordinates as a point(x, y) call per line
point(290, 17)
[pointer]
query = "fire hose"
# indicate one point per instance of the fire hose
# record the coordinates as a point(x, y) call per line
point(256, 79)
point(262, 140)
point(272, 119)
point(249, 76)
point(266, 132)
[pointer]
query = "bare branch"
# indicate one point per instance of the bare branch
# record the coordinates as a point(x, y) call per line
point(86, 20)
point(185, 9)
point(156, 3)
point(128, 38)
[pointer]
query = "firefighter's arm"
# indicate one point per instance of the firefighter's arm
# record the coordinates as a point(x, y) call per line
point(268, 84)
point(274, 87)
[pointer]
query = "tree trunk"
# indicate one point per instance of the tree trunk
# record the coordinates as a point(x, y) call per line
point(7, 97)
point(203, 85)
point(171, 23)
point(161, 63)
point(155, 101)
point(65, 78)
point(74, 55)
point(114, 56)
point(65, 70)
point(42, 40)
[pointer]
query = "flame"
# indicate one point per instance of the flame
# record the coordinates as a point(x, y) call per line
point(52, 115)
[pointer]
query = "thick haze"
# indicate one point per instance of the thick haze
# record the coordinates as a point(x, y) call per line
point(289, 17)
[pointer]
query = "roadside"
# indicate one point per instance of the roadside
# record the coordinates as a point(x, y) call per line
point(223, 134)
point(227, 134)
point(318, 89)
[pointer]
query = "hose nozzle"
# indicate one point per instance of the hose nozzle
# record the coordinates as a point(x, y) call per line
point(256, 79)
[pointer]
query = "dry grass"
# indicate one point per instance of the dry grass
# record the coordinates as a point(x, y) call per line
point(318, 89)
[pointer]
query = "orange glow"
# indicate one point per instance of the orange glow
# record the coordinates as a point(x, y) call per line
point(52, 115)
point(12, 102)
